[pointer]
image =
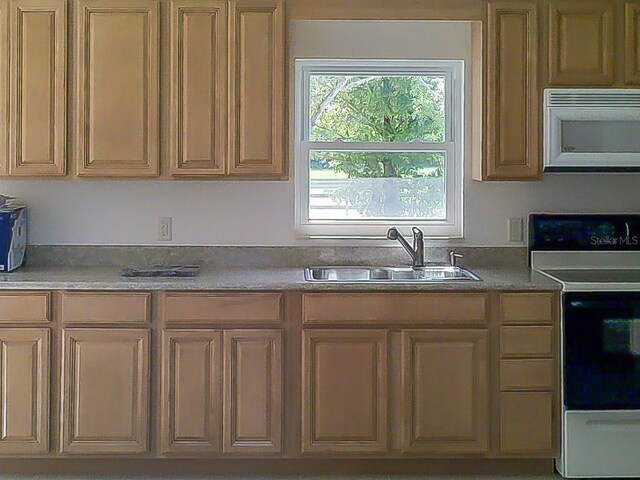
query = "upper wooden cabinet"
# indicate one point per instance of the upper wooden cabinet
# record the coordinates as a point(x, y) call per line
point(4, 111)
point(24, 396)
point(105, 391)
point(38, 71)
point(632, 43)
point(256, 91)
point(512, 94)
point(117, 62)
point(198, 87)
point(445, 396)
point(581, 42)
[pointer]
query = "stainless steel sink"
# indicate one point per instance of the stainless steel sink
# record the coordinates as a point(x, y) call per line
point(441, 274)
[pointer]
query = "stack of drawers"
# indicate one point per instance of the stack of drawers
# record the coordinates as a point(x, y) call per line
point(528, 373)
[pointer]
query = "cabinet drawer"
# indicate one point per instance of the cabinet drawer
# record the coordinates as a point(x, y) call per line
point(394, 308)
point(261, 308)
point(25, 307)
point(527, 307)
point(527, 341)
point(106, 307)
point(527, 374)
point(526, 423)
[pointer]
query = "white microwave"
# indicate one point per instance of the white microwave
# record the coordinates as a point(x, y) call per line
point(591, 130)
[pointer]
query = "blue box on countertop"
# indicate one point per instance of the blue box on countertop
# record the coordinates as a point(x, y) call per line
point(13, 236)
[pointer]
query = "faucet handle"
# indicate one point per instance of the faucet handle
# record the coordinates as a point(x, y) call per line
point(453, 257)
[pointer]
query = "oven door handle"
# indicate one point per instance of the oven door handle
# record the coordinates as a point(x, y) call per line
point(615, 425)
point(585, 304)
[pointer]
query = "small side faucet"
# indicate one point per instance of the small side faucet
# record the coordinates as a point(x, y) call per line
point(417, 251)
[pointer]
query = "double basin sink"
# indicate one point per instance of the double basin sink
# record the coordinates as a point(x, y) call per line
point(428, 274)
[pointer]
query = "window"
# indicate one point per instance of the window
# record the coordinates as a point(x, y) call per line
point(378, 143)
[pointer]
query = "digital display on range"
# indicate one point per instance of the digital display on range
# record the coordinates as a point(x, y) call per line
point(584, 232)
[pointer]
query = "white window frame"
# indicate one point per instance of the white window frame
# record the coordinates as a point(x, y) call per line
point(453, 71)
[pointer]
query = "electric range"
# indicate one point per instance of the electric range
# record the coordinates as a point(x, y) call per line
point(597, 260)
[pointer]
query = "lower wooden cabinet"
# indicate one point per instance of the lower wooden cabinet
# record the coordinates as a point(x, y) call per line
point(191, 397)
point(527, 423)
point(105, 391)
point(344, 398)
point(252, 391)
point(200, 413)
point(445, 391)
point(24, 390)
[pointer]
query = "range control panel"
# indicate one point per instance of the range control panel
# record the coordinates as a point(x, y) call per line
point(562, 232)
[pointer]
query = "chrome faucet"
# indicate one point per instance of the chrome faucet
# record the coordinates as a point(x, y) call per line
point(417, 251)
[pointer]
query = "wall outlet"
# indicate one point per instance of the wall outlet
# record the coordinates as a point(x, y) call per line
point(516, 229)
point(164, 229)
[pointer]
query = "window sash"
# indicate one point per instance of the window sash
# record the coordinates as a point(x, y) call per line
point(453, 146)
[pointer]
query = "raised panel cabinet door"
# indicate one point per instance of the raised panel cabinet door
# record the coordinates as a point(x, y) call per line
point(105, 391)
point(444, 397)
point(632, 43)
point(117, 84)
point(252, 418)
point(191, 400)
point(38, 91)
point(581, 39)
point(198, 87)
point(527, 426)
point(256, 89)
point(24, 391)
point(4, 76)
point(513, 96)
point(344, 396)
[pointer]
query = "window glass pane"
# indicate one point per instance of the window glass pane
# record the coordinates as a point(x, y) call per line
point(347, 186)
point(360, 108)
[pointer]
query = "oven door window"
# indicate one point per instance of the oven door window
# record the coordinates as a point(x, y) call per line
point(602, 351)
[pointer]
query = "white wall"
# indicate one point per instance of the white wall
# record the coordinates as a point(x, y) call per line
point(261, 213)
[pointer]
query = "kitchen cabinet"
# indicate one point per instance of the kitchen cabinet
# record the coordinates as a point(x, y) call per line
point(529, 378)
point(4, 76)
point(194, 415)
point(253, 383)
point(227, 123)
point(581, 42)
point(632, 43)
point(191, 398)
point(118, 77)
point(37, 90)
point(432, 374)
point(24, 392)
point(198, 87)
point(512, 95)
point(445, 394)
point(256, 92)
point(344, 399)
point(105, 391)
point(526, 423)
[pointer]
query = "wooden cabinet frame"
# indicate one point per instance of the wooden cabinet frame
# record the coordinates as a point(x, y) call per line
point(148, 162)
point(38, 92)
point(24, 415)
point(375, 439)
point(513, 100)
point(561, 50)
point(73, 440)
point(198, 87)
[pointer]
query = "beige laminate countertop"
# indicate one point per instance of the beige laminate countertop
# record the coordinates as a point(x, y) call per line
point(108, 278)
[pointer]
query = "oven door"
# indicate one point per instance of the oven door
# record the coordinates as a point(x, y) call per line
point(601, 351)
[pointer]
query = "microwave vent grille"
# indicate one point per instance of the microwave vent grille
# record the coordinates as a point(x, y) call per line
point(592, 98)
